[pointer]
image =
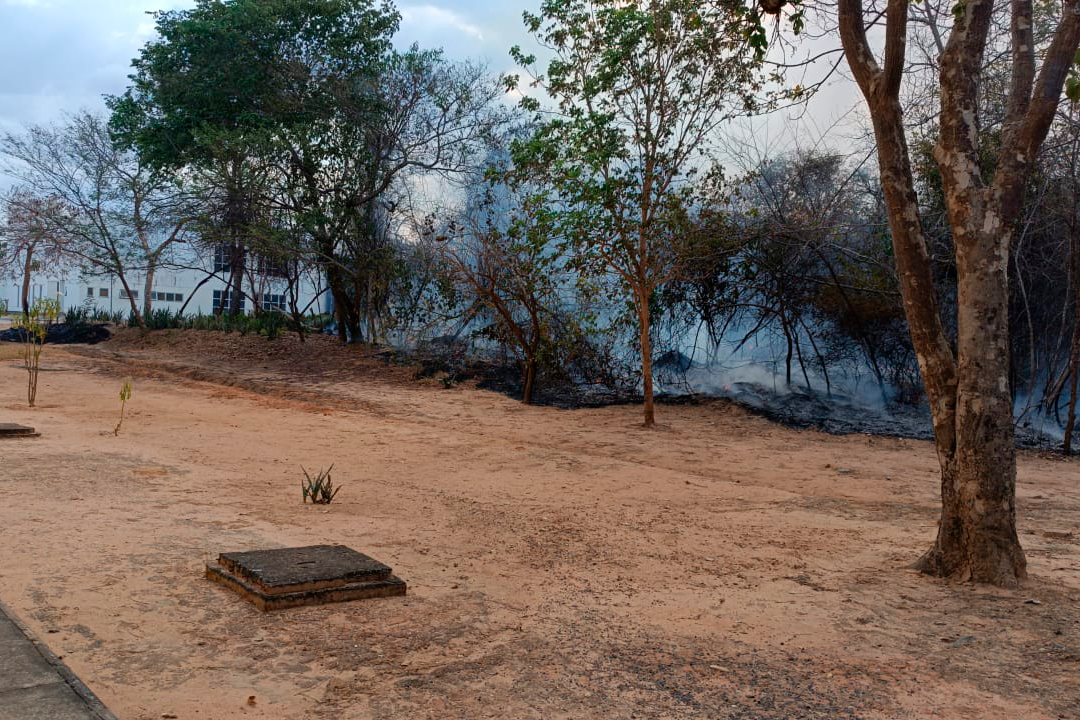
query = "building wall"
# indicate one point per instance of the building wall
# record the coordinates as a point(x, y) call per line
point(171, 289)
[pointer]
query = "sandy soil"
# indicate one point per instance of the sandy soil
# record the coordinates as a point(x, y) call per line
point(561, 564)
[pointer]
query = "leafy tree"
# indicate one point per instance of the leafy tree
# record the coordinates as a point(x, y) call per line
point(221, 82)
point(349, 174)
point(313, 91)
point(640, 89)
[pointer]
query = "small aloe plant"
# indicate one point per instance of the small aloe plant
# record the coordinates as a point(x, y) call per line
point(320, 489)
point(125, 395)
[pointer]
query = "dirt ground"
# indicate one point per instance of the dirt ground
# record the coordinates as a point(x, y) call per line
point(561, 564)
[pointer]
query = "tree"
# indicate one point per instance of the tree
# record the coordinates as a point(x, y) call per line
point(116, 215)
point(314, 91)
point(501, 256)
point(640, 90)
point(34, 326)
point(1071, 206)
point(968, 389)
point(812, 259)
point(423, 117)
point(224, 82)
point(33, 238)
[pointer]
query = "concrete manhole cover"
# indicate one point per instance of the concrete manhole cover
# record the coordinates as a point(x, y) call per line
point(313, 575)
point(11, 430)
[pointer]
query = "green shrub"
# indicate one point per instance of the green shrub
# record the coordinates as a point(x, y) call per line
point(77, 315)
point(271, 323)
point(165, 319)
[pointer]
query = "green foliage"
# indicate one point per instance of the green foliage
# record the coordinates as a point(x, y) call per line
point(100, 315)
point(269, 324)
point(1072, 82)
point(165, 319)
point(505, 260)
point(77, 315)
point(306, 101)
point(320, 489)
point(220, 77)
point(640, 91)
point(35, 329)
point(125, 395)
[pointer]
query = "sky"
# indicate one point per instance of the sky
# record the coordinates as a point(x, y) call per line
point(64, 55)
point(58, 55)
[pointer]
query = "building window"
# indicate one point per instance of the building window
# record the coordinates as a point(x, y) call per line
point(124, 294)
point(273, 302)
point(103, 292)
point(270, 267)
point(223, 298)
point(167, 297)
point(89, 292)
point(222, 259)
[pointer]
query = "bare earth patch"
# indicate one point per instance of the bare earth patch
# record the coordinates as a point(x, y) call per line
point(561, 564)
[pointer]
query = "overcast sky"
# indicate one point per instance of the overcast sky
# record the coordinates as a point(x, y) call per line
point(58, 55)
point(63, 55)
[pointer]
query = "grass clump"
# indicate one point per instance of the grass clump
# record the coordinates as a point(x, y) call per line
point(319, 489)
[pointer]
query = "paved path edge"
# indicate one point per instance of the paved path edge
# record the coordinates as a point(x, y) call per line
point(93, 704)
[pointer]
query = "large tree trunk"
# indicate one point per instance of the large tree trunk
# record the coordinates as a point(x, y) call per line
point(969, 394)
point(969, 397)
point(977, 538)
point(345, 313)
point(138, 316)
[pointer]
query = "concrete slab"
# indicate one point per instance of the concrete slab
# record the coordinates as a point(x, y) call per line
point(313, 575)
point(303, 568)
point(11, 430)
point(21, 665)
point(44, 702)
point(35, 684)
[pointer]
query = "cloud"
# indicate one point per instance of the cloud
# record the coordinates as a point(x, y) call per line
point(434, 20)
point(58, 55)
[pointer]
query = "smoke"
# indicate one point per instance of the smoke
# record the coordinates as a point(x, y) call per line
point(754, 375)
point(757, 357)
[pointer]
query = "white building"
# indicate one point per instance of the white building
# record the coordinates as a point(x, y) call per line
point(197, 291)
